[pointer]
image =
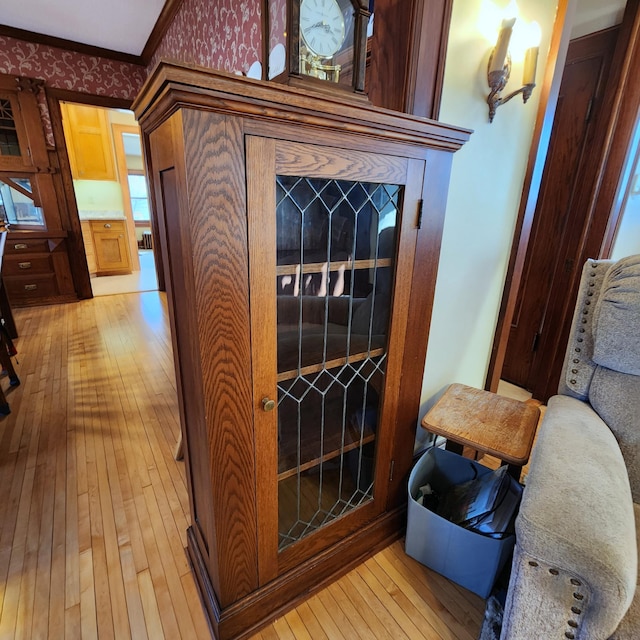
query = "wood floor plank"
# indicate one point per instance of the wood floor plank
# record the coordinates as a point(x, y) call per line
point(283, 629)
point(425, 610)
point(94, 508)
point(400, 617)
point(153, 622)
point(310, 622)
point(324, 618)
point(372, 608)
point(364, 625)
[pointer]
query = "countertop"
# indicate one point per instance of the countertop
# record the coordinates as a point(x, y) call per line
point(101, 215)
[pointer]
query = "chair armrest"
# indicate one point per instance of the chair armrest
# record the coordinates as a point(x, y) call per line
point(575, 562)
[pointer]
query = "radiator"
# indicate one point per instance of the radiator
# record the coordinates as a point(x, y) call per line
point(147, 242)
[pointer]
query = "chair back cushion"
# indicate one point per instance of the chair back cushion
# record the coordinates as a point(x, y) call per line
point(616, 321)
point(615, 397)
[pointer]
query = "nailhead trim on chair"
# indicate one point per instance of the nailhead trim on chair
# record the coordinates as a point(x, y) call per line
point(578, 366)
point(585, 312)
point(576, 609)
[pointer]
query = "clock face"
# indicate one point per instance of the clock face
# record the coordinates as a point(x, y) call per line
point(322, 26)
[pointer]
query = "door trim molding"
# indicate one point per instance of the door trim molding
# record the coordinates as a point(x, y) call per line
point(550, 90)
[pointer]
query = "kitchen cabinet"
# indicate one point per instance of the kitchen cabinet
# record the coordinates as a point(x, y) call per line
point(300, 236)
point(89, 249)
point(110, 246)
point(86, 130)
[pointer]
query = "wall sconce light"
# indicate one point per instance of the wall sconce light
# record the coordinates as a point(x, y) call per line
point(499, 68)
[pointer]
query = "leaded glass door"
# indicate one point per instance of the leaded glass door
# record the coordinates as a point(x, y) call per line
point(329, 237)
point(14, 150)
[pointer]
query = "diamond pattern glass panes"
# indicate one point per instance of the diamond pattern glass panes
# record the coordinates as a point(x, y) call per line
point(8, 134)
point(16, 203)
point(336, 244)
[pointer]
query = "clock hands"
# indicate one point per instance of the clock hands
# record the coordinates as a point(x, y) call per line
point(319, 25)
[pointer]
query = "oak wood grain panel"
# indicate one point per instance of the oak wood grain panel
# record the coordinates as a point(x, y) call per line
point(214, 149)
point(304, 133)
point(389, 439)
point(315, 161)
point(175, 246)
point(425, 269)
point(261, 198)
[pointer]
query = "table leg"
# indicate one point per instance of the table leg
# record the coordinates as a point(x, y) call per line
point(515, 471)
point(454, 447)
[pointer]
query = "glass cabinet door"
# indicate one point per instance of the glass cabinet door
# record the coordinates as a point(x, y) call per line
point(336, 244)
point(14, 150)
point(328, 236)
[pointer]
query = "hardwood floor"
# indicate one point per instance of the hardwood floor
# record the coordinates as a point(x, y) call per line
point(94, 509)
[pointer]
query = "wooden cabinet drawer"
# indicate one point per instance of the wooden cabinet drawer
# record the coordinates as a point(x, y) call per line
point(27, 265)
point(25, 288)
point(16, 246)
point(113, 226)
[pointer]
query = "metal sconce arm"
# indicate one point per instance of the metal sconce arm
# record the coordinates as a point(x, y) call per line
point(497, 82)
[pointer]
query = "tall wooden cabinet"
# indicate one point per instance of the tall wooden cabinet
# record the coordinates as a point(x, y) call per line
point(300, 237)
point(36, 267)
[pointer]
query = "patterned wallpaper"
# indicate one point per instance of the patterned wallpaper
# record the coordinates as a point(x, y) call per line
point(220, 34)
point(64, 69)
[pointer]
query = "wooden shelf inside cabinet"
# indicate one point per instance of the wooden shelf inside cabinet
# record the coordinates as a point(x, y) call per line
point(319, 267)
point(312, 357)
point(318, 447)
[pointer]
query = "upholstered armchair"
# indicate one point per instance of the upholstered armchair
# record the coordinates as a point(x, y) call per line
point(574, 572)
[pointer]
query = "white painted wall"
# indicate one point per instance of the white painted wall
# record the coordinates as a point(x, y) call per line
point(484, 195)
point(595, 15)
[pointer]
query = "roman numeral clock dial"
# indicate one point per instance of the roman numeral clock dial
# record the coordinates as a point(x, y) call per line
point(322, 33)
point(318, 45)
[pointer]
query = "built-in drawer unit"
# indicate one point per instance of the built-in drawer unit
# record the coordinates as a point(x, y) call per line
point(35, 268)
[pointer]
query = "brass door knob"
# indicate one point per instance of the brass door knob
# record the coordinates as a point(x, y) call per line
point(268, 404)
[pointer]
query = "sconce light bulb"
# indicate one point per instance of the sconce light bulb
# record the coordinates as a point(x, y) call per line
point(511, 12)
point(535, 34)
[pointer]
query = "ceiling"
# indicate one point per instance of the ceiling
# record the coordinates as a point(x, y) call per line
point(120, 25)
point(125, 25)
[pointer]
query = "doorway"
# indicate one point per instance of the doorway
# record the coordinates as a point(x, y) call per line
point(553, 257)
point(107, 166)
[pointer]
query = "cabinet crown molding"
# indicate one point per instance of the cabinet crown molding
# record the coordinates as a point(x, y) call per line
point(228, 93)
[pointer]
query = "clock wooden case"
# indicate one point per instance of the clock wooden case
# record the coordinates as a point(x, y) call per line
point(320, 44)
point(300, 237)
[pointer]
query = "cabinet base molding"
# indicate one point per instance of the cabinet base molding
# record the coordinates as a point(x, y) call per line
point(245, 617)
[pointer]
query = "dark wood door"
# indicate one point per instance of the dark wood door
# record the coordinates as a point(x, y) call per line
point(559, 223)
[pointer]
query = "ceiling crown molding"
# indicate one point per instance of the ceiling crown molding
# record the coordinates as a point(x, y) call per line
point(71, 45)
point(168, 13)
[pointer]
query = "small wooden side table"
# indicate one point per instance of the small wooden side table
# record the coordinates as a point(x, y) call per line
point(489, 423)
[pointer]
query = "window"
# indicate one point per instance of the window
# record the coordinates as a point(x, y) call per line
point(18, 204)
point(139, 197)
